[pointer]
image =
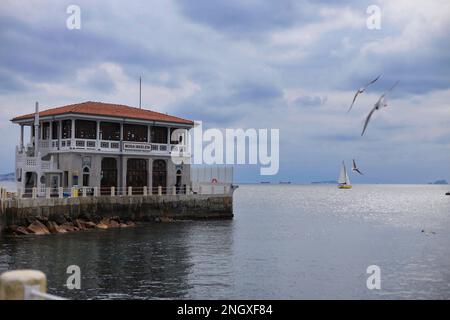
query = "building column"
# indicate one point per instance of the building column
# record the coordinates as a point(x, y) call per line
point(150, 175)
point(121, 137)
point(72, 136)
point(50, 133)
point(36, 130)
point(169, 173)
point(21, 137)
point(59, 134)
point(168, 138)
point(98, 135)
point(149, 132)
point(124, 172)
point(119, 171)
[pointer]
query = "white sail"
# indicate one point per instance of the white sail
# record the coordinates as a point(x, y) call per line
point(347, 179)
point(343, 177)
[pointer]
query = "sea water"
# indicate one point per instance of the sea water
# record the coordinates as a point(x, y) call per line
point(285, 242)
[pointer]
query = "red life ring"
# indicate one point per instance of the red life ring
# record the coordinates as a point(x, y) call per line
point(214, 180)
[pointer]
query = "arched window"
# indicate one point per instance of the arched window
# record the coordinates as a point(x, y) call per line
point(178, 180)
point(159, 175)
point(86, 173)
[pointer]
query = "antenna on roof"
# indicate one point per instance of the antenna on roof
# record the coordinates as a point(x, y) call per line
point(140, 92)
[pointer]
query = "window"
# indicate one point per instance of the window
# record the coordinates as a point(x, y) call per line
point(75, 180)
point(55, 130)
point(86, 177)
point(45, 130)
point(158, 134)
point(176, 138)
point(137, 173)
point(66, 129)
point(66, 179)
point(133, 132)
point(109, 131)
point(85, 129)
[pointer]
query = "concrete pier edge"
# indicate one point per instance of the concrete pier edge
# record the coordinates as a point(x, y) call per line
point(20, 212)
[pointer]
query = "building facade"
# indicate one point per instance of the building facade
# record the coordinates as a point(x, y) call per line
point(100, 145)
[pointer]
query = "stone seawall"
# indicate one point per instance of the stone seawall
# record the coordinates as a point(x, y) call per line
point(135, 208)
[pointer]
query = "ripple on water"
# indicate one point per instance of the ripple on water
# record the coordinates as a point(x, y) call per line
point(285, 242)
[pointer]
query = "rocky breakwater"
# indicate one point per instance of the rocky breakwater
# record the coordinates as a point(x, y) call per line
point(43, 226)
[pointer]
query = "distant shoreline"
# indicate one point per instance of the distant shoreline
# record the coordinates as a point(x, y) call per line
point(335, 183)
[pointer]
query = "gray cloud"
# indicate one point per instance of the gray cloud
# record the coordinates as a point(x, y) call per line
point(241, 17)
point(310, 101)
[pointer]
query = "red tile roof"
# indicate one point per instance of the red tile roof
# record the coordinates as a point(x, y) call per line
point(107, 109)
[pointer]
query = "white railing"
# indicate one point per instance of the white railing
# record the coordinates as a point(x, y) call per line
point(47, 146)
point(211, 188)
point(85, 144)
point(109, 145)
point(76, 192)
point(178, 148)
point(44, 144)
point(66, 144)
point(30, 162)
point(33, 163)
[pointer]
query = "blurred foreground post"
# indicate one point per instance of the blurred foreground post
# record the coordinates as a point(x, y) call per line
point(18, 284)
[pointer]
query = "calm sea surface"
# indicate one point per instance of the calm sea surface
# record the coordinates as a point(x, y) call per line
point(286, 241)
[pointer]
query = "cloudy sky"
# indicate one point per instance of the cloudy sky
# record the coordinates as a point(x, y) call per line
point(292, 65)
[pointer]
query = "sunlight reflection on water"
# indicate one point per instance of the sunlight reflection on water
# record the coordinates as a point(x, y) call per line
point(286, 241)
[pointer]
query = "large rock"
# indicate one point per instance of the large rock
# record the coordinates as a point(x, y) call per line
point(13, 229)
point(59, 219)
point(109, 222)
point(21, 230)
point(68, 227)
point(127, 224)
point(113, 224)
point(42, 219)
point(79, 224)
point(101, 226)
point(165, 219)
point(38, 227)
point(116, 218)
point(54, 228)
point(88, 224)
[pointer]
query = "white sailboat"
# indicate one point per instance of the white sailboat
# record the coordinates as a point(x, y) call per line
point(344, 181)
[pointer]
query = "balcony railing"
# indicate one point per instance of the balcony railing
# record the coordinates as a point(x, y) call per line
point(74, 192)
point(109, 145)
point(47, 146)
point(27, 163)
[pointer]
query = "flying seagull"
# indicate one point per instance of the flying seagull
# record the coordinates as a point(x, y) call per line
point(381, 103)
point(361, 90)
point(355, 168)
